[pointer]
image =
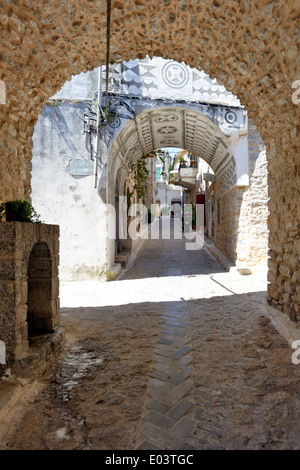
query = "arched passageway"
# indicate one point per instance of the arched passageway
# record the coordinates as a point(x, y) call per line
point(230, 154)
point(250, 48)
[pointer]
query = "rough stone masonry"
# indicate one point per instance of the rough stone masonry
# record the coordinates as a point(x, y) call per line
point(250, 47)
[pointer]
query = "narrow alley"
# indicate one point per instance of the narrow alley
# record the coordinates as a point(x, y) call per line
point(177, 353)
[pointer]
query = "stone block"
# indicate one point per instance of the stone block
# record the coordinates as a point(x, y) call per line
point(7, 249)
point(289, 287)
point(21, 268)
point(297, 247)
point(296, 277)
point(20, 349)
point(272, 278)
point(7, 270)
point(7, 318)
point(285, 271)
point(21, 293)
point(49, 324)
point(273, 292)
point(7, 294)
point(291, 260)
point(21, 314)
point(7, 230)
point(273, 266)
point(12, 336)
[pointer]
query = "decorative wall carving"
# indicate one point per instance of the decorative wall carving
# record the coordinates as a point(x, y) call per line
point(227, 176)
point(175, 75)
point(160, 78)
point(191, 130)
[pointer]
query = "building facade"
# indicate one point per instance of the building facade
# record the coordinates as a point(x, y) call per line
point(153, 104)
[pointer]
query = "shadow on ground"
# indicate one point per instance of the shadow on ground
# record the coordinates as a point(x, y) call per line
point(246, 389)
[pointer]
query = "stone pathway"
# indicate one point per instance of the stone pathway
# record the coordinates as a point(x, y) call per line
point(221, 375)
point(171, 409)
point(177, 354)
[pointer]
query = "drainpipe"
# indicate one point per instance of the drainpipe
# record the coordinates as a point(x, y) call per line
point(99, 103)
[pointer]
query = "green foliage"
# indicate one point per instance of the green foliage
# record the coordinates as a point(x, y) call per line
point(129, 196)
point(18, 210)
point(140, 174)
point(161, 155)
point(52, 103)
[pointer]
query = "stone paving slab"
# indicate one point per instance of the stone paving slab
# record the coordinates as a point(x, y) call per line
point(168, 440)
point(181, 352)
point(178, 392)
point(181, 376)
point(159, 420)
point(158, 406)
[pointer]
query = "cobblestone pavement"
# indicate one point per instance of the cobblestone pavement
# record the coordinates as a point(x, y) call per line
point(176, 354)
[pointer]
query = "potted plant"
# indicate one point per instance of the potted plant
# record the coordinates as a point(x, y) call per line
point(18, 211)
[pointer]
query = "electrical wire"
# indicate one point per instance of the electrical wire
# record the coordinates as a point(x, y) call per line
point(108, 24)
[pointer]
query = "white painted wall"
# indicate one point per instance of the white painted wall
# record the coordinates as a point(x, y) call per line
point(165, 195)
point(72, 202)
point(239, 148)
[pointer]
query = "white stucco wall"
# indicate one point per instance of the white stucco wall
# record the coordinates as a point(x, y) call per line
point(239, 148)
point(72, 202)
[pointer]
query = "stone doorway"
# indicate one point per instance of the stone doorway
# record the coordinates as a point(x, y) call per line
point(30, 292)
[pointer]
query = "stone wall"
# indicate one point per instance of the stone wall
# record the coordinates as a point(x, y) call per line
point(255, 201)
point(241, 214)
point(284, 225)
point(227, 217)
point(44, 43)
point(63, 191)
point(251, 48)
point(24, 284)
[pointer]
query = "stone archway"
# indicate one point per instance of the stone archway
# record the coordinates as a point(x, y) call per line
point(250, 48)
point(184, 127)
point(176, 127)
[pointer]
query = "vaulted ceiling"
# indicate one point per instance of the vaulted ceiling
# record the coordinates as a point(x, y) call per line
point(172, 127)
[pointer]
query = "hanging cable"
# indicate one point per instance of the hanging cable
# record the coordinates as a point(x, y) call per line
point(108, 20)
